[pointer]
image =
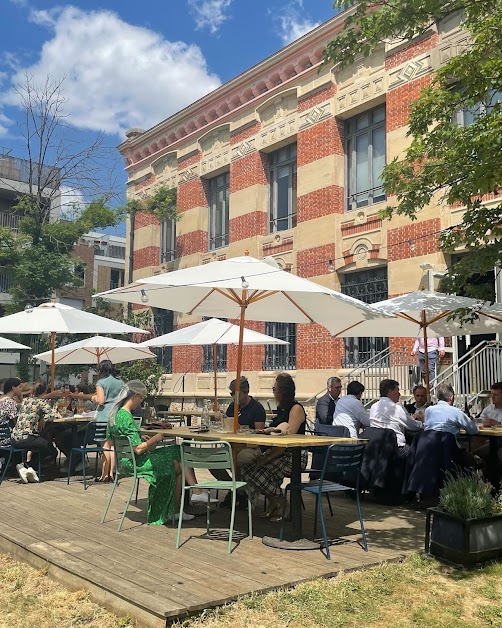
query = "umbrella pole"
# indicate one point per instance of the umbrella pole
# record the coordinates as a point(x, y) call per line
point(243, 305)
point(426, 357)
point(215, 408)
point(53, 360)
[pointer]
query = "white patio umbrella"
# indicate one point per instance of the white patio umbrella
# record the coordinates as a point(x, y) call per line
point(429, 314)
point(10, 345)
point(56, 318)
point(213, 332)
point(93, 350)
point(246, 288)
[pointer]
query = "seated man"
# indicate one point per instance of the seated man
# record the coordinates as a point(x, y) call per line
point(325, 406)
point(444, 417)
point(386, 413)
point(251, 414)
point(419, 403)
point(350, 412)
point(492, 414)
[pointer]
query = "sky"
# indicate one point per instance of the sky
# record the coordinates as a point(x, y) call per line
point(132, 64)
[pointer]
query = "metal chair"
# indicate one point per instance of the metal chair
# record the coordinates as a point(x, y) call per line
point(94, 433)
point(212, 455)
point(340, 460)
point(123, 451)
point(5, 434)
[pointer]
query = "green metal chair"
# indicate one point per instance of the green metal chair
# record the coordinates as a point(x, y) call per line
point(212, 455)
point(123, 450)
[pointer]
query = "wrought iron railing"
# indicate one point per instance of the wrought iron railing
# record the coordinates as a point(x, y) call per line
point(279, 363)
point(208, 363)
point(18, 169)
point(5, 281)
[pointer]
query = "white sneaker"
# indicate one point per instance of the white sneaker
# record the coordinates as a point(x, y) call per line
point(184, 516)
point(22, 472)
point(202, 498)
point(31, 474)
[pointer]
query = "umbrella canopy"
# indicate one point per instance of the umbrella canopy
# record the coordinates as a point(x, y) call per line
point(212, 332)
point(57, 318)
point(93, 350)
point(246, 288)
point(428, 314)
point(10, 345)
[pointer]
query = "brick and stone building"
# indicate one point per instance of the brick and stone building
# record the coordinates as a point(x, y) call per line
point(285, 161)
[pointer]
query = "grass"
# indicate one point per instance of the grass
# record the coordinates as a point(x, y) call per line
point(28, 597)
point(417, 592)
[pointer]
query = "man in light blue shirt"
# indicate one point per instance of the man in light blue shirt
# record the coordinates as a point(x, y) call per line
point(350, 412)
point(444, 417)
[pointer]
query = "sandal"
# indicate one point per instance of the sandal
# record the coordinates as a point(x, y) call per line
point(106, 480)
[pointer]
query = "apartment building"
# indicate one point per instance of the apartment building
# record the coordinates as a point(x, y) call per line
point(285, 160)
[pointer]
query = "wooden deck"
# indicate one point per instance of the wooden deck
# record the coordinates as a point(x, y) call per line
point(138, 571)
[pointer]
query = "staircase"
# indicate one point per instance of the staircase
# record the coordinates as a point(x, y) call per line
point(473, 374)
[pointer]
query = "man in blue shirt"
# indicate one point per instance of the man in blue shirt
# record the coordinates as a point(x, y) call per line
point(444, 417)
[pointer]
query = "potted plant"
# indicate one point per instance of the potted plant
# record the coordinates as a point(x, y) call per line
point(466, 527)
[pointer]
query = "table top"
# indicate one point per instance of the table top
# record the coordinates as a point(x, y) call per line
point(247, 438)
point(490, 431)
point(269, 415)
point(75, 419)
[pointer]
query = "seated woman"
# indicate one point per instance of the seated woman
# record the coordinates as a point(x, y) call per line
point(159, 467)
point(266, 474)
point(28, 433)
point(8, 408)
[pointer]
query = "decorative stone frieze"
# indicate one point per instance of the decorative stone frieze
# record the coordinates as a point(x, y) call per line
point(278, 108)
point(273, 134)
point(188, 174)
point(316, 114)
point(410, 70)
point(244, 148)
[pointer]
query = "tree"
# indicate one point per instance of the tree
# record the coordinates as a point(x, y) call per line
point(445, 162)
point(38, 258)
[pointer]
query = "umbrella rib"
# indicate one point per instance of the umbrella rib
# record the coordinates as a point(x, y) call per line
point(298, 307)
point(492, 316)
point(258, 296)
point(407, 317)
point(347, 329)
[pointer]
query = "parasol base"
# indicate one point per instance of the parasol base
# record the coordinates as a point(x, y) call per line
point(298, 545)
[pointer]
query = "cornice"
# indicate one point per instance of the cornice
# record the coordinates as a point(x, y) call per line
point(252, 87)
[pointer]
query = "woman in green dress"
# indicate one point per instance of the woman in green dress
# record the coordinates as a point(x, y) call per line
point(159, 467)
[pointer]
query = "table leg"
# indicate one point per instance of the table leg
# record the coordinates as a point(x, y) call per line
point(296, 542)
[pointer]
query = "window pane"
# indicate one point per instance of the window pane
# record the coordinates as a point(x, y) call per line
point(218, 211)
point(280, 357)
point(282, 189)
point(378, 163)
point(362, 169)
point(362, 122)
point(378, 115)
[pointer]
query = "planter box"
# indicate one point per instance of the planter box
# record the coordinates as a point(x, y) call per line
point(465, 542)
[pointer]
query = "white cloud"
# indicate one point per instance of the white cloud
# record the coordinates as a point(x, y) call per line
point(116, 75)
point(209, 13)
point(293, 22)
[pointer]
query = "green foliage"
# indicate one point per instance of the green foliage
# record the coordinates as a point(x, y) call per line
point(162, 203)
point(445, 163)
point(147, 371)
point(467, 496)
point(23, 371)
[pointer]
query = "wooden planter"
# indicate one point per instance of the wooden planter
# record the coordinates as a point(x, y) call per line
point(464, 542)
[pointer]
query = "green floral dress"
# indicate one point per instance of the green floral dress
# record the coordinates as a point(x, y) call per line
point(155, 466)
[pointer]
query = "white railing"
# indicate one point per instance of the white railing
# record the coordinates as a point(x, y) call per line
point(474, 373)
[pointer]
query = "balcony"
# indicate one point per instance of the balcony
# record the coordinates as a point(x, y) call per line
point(10, 221)
point(5, 281)
point(18, 169)
point(116, 252)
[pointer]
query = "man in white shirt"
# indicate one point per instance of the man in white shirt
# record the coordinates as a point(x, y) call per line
point(350, 412)
point(435, 349)
point(492, 414)
point(386, 413)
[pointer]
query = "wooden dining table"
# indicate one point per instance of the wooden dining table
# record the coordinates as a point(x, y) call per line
point(181, 415)
point(295, 442)
point(493, 434)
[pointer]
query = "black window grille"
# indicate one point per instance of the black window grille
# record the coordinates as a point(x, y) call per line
point(163, 322)
point(221, 358)
point(365, 148)
point(167, 240)
point(369, 286)
point(283, 188)
point(280, 357)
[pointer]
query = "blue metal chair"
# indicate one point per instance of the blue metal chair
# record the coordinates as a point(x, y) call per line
point(5, 434)
point(342, 461)
point(94, 433)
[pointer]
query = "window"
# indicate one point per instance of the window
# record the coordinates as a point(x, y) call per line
point(219, 190)
point(167, 240)
point(116, 278)
point(282, 185)
point(280, 357)
point(163, 323)
point(221, 357)
point(365, 150)
point(369, 286)
point(465, 117)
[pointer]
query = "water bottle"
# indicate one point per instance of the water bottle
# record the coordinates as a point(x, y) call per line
point(205, 419)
